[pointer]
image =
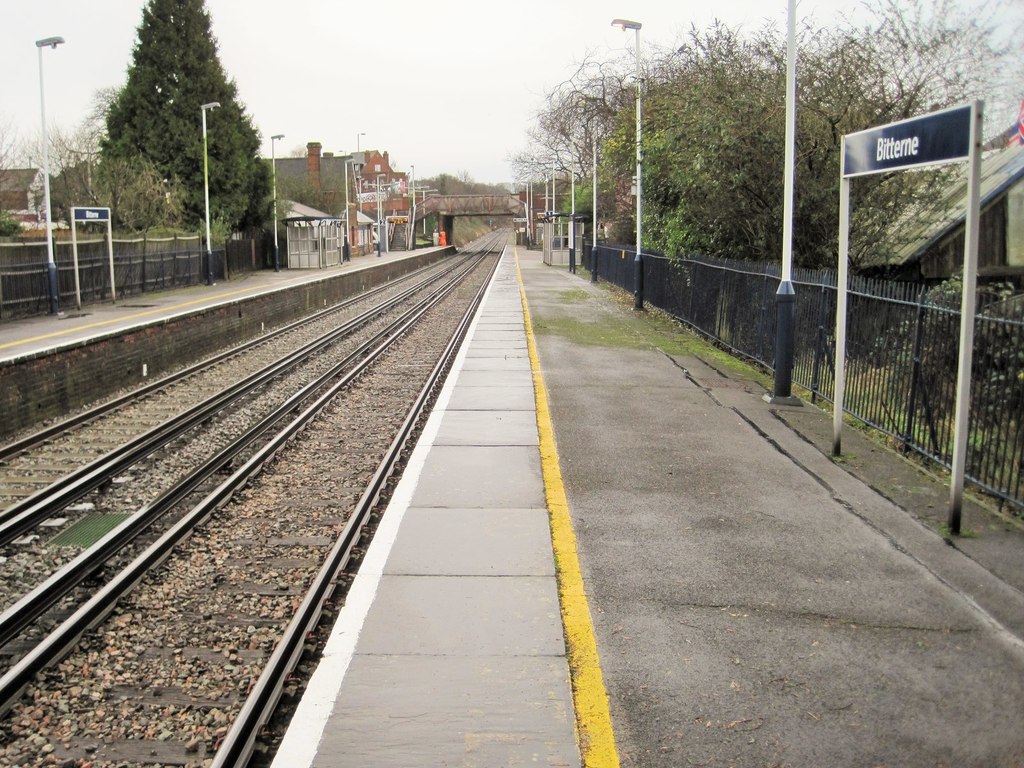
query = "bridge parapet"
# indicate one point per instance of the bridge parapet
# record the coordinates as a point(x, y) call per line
point(471, 205)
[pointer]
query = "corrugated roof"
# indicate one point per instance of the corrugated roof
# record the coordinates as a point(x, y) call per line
point(298, 211)
point(924, 226)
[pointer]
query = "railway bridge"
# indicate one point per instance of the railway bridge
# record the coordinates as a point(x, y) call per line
point(448, 207)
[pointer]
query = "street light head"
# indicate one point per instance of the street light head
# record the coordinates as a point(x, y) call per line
point(625, 24)
point(277, 136)
point(51, 42)
point(211, 105)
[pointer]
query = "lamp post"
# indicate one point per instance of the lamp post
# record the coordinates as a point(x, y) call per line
point(51, 265)
point(380, 216)
point(362, 133)
point(412, 220)
point(531, 225)
point(785, 296)
point(273, 163)
point(593, 226)
point(638, 269)
point(593, 233)
point(572, 217)
point(206, 193)
point(346, 249)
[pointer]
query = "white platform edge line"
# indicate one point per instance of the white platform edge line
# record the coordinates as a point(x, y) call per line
point(302, 739)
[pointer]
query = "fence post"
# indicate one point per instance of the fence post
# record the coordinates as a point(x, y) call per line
point(819, 347)
point(638, 280)
point(915, 370)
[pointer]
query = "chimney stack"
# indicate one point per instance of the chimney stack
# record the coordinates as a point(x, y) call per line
point(313, 163)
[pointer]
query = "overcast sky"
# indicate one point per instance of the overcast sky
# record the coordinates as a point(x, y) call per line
point(443, 85)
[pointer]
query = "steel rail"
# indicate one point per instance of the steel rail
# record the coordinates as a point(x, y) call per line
point(60, 642)
point(29, 607)
point(48, 433)
point(239, 742)
point(24, 515)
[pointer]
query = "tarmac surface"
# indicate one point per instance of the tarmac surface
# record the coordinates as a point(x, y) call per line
point(756, 603)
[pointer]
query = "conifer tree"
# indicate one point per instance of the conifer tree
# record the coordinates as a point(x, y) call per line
point(157, 115)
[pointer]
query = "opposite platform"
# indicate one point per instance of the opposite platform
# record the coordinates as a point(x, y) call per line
point(40, 335)
point(449, 649)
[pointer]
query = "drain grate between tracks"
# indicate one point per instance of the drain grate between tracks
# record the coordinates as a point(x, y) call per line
point(87, 531)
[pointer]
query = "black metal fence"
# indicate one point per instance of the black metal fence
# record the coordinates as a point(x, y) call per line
point(141, 265)
point(902, 350)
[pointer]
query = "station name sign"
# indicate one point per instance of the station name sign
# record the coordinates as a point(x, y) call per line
point(91, 214)
point(940, 137)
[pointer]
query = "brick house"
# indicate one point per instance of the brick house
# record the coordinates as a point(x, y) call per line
point(326, 173)
point(21, 195)
point(393, 185)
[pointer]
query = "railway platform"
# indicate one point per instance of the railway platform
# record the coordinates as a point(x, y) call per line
point(27, 337)
point(449, 649)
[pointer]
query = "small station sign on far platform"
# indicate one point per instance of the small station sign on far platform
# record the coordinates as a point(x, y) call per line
point(91, 214)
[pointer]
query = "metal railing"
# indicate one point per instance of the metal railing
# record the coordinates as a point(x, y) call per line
point(142, 265)
point(901, 351)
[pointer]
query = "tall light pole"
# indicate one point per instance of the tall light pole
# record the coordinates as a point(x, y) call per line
point(593, 226)
point(529, 212)
point(273, 165)
point(348, 224)
point(785, 296)
point(572, 217)
point(51, 265)
point(363, 133)
point(412, 221)
point(380, 216)
point(206, 192)
point(638, 269)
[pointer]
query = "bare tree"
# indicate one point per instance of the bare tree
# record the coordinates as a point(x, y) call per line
point(8, 158)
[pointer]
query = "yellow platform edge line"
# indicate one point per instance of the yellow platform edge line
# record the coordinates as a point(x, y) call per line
point(594, 732)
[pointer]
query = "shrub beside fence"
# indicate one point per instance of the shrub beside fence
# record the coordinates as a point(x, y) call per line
point(902, 351)
point(141, 265)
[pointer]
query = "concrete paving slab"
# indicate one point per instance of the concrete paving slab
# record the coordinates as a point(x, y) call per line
point(482, 351)
point(502, 344)
point(497, 362)
point(488, 428)
point(464, 616)
point(477, 718)
point(499, 334)
point(518, 397)
point(491, 378)
point(493, 477)
point(495, 542)
point(500, 320)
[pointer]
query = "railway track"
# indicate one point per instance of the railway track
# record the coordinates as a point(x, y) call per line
point(133, 498)
point(239, 601)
